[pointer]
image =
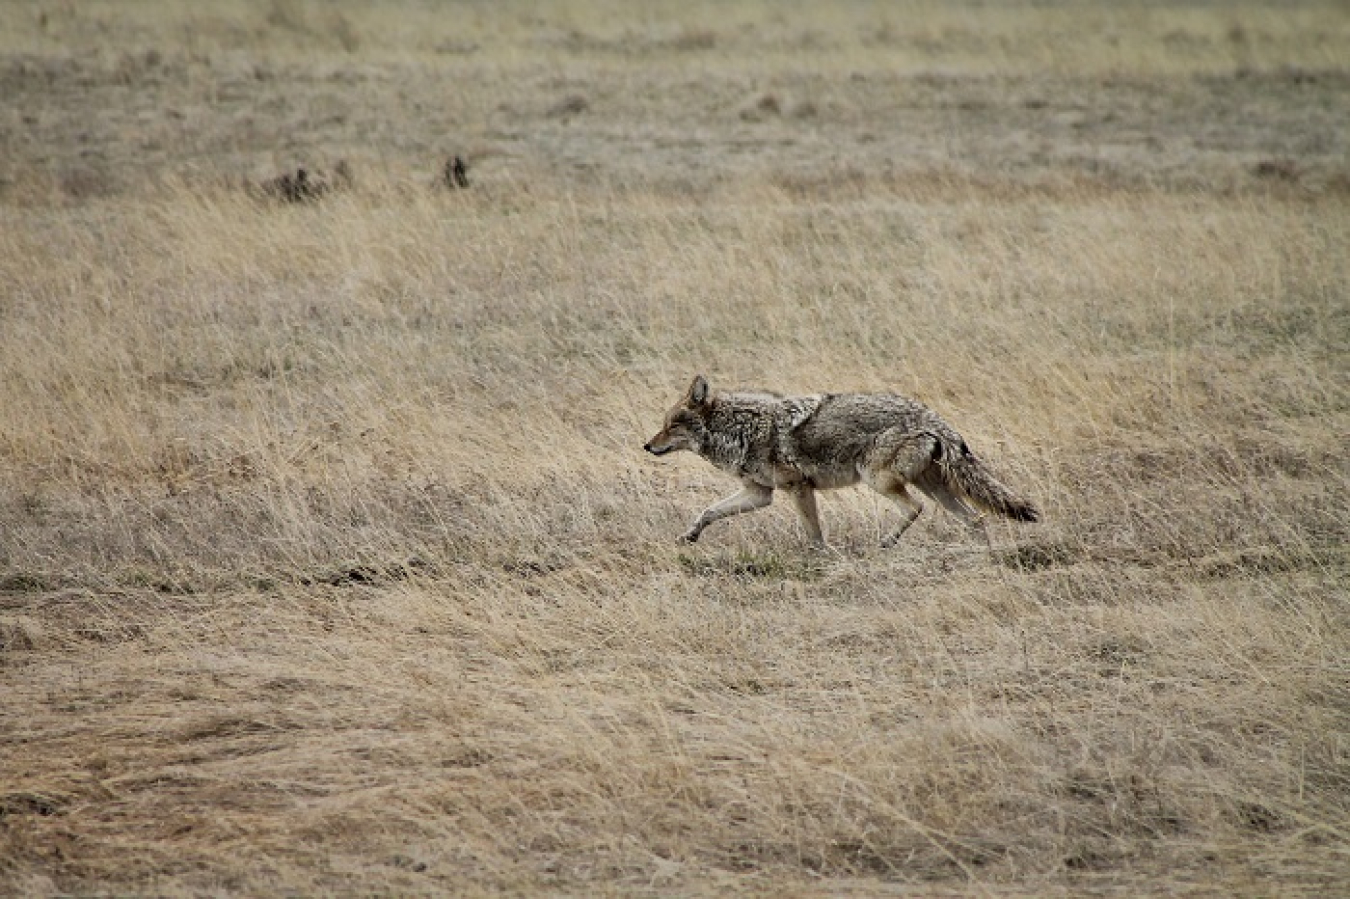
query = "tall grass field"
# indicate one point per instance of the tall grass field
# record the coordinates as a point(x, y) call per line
point(331, 562)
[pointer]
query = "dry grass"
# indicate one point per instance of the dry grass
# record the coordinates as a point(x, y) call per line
point(330, 561)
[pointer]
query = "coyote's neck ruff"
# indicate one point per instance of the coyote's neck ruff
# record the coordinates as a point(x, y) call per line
point(806, 443)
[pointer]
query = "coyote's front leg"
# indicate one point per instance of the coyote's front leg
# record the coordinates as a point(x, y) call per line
point(750, 497)
point(804, 498)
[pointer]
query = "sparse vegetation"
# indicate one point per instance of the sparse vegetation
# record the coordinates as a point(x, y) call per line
point(330, 559)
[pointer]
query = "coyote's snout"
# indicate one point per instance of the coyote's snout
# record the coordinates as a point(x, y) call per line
point(801, 444)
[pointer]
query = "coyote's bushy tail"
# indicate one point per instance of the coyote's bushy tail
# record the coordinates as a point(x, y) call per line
point(968, 476)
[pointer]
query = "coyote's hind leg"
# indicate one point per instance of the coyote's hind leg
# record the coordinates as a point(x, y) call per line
point(898, 458)
point(910, 507)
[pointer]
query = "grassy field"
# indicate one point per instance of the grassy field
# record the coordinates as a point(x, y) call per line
point(330, 560)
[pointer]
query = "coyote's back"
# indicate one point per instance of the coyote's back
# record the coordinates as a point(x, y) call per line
point(806, 443)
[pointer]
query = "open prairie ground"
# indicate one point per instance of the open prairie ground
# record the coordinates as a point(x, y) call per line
point(330, 560)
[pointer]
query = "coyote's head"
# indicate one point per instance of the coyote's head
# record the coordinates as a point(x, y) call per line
point(685, 427)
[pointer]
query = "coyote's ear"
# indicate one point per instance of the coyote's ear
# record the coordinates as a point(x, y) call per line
point(698, 391)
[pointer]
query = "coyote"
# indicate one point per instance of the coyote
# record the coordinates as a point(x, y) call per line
point(802, 444)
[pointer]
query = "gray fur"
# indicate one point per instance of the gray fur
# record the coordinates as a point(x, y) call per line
point(801, 444)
